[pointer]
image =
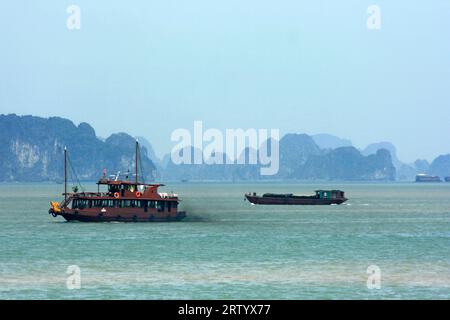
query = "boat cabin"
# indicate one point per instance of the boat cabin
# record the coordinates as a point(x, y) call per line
point(120, 188)
point(330, 194)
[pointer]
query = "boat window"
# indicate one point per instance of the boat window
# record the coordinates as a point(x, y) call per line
point(160, 205)
point(80, 203)
point(152, 204)
point(97, 203)
point(142, 203)
point(169, 206)
point(113, 188)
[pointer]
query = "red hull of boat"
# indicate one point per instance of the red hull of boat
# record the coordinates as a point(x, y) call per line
point(122, 217)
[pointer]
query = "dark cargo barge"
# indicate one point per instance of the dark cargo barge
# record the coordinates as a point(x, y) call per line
point(322, 197)
point(427, 178)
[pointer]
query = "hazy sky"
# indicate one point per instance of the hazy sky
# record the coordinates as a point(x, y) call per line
point(149, 67)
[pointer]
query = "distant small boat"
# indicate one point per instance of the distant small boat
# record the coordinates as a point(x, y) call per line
point(427, 178)
point(322, 197)
point(447, 179)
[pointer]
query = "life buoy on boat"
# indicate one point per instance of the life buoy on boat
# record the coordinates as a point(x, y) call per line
point(116, 195)
point(138, 194)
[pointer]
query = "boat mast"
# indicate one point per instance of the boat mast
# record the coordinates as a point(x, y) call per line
point(136, 164)
point(65, 174)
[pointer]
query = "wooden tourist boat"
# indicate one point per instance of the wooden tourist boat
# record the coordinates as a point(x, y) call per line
point(125, 201)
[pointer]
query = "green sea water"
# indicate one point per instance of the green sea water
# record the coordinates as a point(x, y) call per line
point(229, 249)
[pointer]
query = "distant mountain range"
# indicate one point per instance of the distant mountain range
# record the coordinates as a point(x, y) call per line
point(300, 159)
point(31, 149)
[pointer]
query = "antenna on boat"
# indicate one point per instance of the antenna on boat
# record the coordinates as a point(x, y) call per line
point(65, 174)
point(137, 148)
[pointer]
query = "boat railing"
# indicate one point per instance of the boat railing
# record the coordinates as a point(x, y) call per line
point(88, 194)
point(167, 195)
point(65, 202)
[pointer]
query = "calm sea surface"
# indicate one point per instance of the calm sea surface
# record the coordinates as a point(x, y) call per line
point(229, 249)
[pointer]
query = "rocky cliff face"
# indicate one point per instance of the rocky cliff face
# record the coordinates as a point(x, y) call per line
point(31, 149)
point(347, 163)
point(441, 166)
point(295, 150)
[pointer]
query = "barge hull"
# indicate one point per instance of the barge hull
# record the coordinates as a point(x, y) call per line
point(293, 201)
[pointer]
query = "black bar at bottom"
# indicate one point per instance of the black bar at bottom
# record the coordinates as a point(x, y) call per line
point(224, 309)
